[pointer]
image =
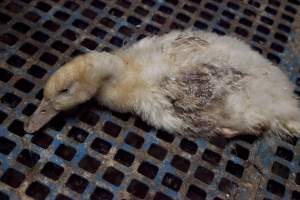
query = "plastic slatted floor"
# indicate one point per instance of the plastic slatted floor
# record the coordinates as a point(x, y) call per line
point(93, 153)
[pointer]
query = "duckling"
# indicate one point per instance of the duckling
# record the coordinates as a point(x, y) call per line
point(191, 83)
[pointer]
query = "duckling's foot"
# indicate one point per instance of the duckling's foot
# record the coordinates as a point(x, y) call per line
point(229, 133)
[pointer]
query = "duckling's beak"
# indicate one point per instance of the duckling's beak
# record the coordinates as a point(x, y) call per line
point(44, 113)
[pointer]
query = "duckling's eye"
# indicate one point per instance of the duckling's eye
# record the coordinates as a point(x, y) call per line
point(64, 90)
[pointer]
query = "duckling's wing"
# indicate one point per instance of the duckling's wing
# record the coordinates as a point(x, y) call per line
point(198, 94)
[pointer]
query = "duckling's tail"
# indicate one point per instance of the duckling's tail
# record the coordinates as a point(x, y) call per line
point(286, 129)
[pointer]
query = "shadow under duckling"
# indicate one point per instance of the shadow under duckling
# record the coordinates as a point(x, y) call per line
point(191, 83)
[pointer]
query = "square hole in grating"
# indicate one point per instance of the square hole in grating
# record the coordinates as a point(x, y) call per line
point(113, 176)
point(89, 117)
point(21, 27)
point(77, 183)
point(275, 188)
point(98, 4)
point(116, 12)
point(89, 164)
point(163, 135)
point(89, 13)
point(189, 8)
point(204, 174)
point(259, 39)
point(234, 169)
point(28, 48)
point(3, 196)
point(32, 16)
point(11, 100)
point(24, 85)
point(58, 122)
point(122, 116)
point(66, 152)
point(134, 140)
point(59, 46)
point(124, 157)
point(124, 3)
point(51, 26)
point(3, 116)
point(76, 52)
point(37, 190)
point(240, 151)
point(6, 145)
point(37, 71)
point(90, 44)
point(40, 36)
point(219, 141)
point(43, 6)
point(180, 163)
point(42, 140)
point(284, 153)
point(28, 158)
point(78, 134)
point(196, 193)
point(12, 177)
point(273, 58)
point(147, 169)
point(17, 127)
point(150, 3)
point(101, 146)
point(16, 61)
point(4, 18)
point(14, 7)
point(141, 11)
point(157, 151)
point(153, 29)
point(98, 32)
point(211, 157)
point(161, 196)
point(172, 181)
point(134, 20)
point(71, 5)
point(176, 26)
point(188, 146)
point(48, 58)
point(62, 197)
point(8, 39)
point(125, 31)
point(61, 15)
point(111, 129)
point(138, 189)
point(117, 41)
point(182, 17)
point(227, 186)
point(297, 180)
point(40, 94)
point(80, 24)
point(295, 195)
point(284, 28)
point(52, 170)
point(142, 125)
point(280, 170)
point(280, 37)
point(101, 193)
point(5, 75)
point(277, 47)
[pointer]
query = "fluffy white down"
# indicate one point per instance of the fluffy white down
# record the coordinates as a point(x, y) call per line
point(266, 95)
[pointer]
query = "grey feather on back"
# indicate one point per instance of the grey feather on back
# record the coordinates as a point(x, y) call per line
point(198, 95)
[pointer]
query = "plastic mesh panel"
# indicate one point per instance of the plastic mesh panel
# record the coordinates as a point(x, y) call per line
point(93, 153)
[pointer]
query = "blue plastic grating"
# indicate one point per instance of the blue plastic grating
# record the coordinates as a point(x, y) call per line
point(93, 153)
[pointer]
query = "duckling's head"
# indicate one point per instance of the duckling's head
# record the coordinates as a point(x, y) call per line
point(74, 83)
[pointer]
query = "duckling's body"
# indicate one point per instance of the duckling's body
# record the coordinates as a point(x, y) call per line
point(189, 83)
